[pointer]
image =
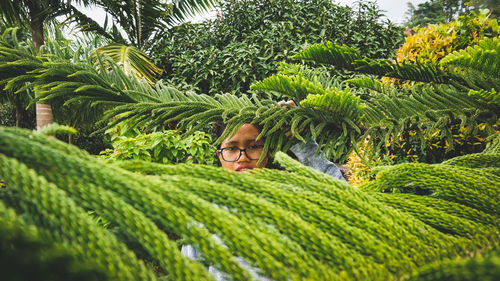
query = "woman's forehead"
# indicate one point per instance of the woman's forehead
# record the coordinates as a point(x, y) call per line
point(245, 134)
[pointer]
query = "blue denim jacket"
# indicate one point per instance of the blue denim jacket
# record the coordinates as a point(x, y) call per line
point(305, 154)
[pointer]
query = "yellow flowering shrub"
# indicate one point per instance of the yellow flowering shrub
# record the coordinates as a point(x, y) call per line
point(435, 41)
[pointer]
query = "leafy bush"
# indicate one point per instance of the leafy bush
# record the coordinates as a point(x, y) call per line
point(434, 42)
point(249, 38)
point(7, 115)
point(163, 147)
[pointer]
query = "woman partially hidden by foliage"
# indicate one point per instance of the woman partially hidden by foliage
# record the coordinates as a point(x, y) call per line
point(243, 151)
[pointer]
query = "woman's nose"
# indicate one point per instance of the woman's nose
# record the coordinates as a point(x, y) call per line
point(243, 157)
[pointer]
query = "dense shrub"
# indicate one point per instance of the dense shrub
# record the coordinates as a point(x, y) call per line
point(7, 115)
point(249, 38)
point(433, 42)
point(130, 140)
point(163, 147)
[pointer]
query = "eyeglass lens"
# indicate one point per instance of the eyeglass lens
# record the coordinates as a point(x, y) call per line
point(234, 153)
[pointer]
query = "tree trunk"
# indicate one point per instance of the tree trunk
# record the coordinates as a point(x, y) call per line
point(43, 115)
point(43, 111)
point(24, 118)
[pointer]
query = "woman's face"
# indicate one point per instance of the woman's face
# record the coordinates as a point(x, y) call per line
point(243, 139)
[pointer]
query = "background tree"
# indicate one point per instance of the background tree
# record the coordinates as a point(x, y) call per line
point(14, 109)
point(140, 20)
point(436, 11)
point(493, 5)
point(249, 38)
point(33, 14)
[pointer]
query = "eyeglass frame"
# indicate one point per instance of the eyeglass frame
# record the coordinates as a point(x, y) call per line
point(241, 151)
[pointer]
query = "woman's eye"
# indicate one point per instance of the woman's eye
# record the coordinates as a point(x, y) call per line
point(231, 148)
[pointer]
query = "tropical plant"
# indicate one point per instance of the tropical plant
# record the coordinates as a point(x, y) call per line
point(421, 109)
point(429, 45)
point(286, 225)
point(141, 20)
point(56, 49)
point(14, 107)
point(336, 118)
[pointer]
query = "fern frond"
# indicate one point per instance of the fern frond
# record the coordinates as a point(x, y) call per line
point(47, 205)
point(368, 83)
point(293, 87)
point(349, 58)
point(330, 53)
point(341, 104)
point(491, 96)
point(318, 75)
point(483, 57)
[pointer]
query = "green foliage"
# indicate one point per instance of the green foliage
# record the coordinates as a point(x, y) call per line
point(434, 42)
point(25, 255)
point(340, 104)
point(440, 220)
point(55, 128)
point(415, 115)
point(436, 11)
point(479, 65)
point(414, 178)
point(7, 115)
point(50, 206)
point(384, 117)
point(428, 12)
point(163, 147)
point(443, 11)
point(293, 87)
point(477, 160)
point(492, 95)
point(248, 39)
point(482, 267)
point(494, 145)
point(284, 225)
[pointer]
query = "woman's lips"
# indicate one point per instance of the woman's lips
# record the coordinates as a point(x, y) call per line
point(243, 168)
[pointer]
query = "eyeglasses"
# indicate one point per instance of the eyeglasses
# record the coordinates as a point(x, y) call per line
point(233, 153)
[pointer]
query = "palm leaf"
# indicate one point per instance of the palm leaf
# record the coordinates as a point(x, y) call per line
point(133, 61)
point(350, 58)
point(185, 8)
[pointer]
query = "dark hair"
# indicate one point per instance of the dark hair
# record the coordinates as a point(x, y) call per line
point(218, 130)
